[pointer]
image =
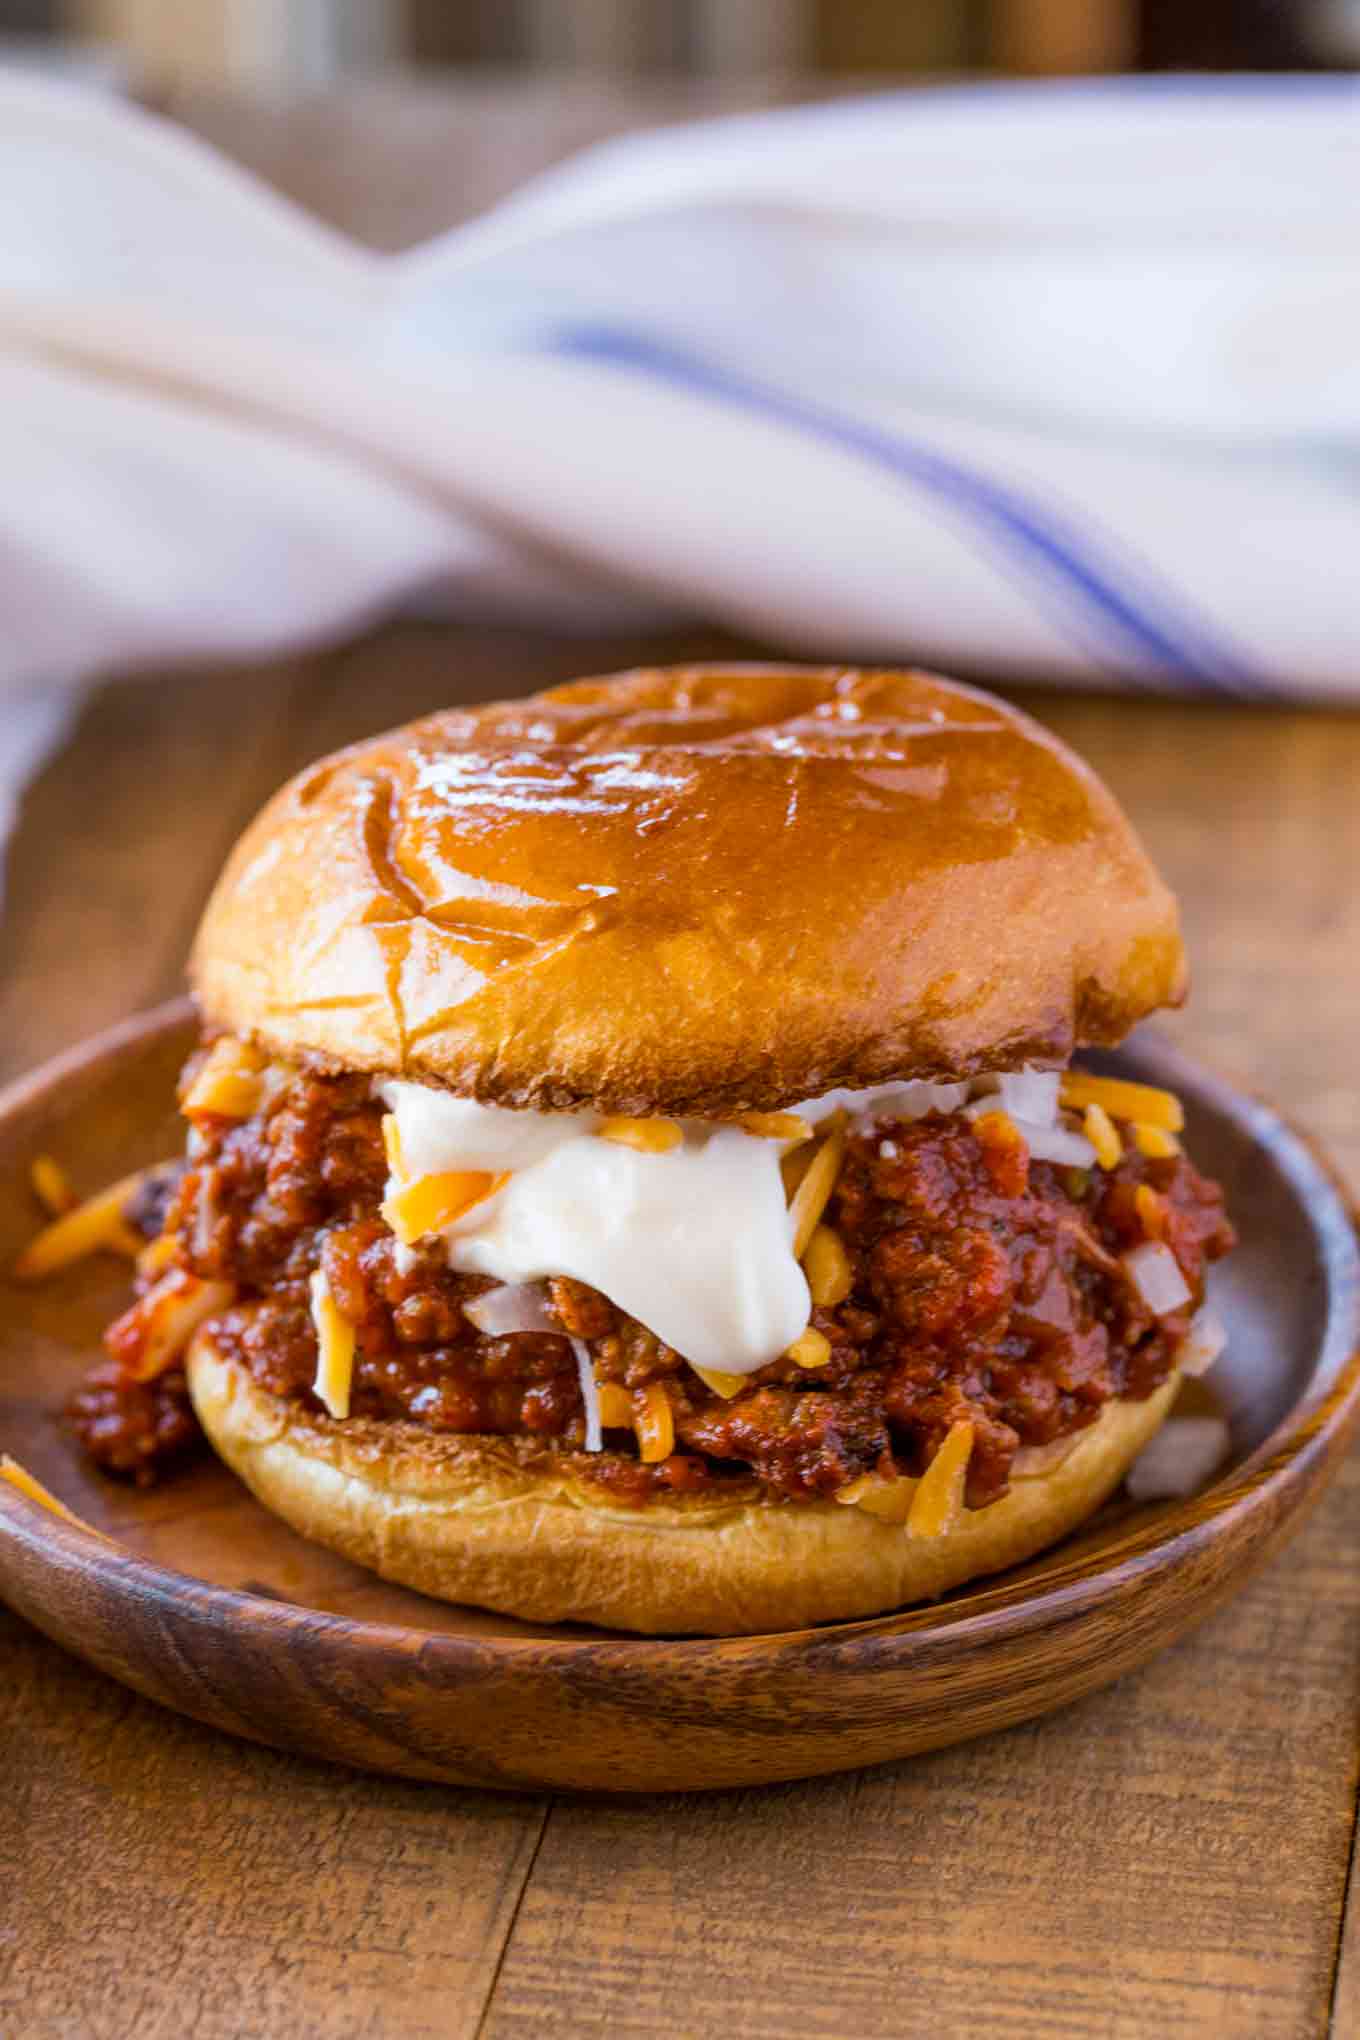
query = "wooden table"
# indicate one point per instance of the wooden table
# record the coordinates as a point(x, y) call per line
point(1171, 1857)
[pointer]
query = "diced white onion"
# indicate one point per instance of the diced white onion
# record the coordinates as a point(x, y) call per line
point(1203, 1343)
point(1056, 1144)
point(1029, 1095)
point(513, 1307)
point(590, 1395)
point(1179, 1459)
point(1045, 1143)
point(1157, 1277)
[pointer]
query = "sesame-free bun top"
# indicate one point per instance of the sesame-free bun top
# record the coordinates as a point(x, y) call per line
point(695, 890)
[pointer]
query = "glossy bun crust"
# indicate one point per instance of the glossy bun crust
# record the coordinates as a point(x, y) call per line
point(697, 890)
point(502, 1524)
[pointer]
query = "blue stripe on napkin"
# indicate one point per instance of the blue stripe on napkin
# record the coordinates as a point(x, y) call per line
point(1112, 603)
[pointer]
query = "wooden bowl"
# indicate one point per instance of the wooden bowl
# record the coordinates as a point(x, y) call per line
point(209, 1605)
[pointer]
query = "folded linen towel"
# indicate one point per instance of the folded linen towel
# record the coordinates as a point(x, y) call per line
point(1056, 380)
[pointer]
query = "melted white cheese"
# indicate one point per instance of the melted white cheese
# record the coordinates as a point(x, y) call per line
point(439, 1131)
point(695, 1243)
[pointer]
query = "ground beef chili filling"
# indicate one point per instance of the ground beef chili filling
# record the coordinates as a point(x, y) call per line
point(986, 1287)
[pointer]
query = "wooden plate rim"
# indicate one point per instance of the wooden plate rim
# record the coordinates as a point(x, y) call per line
point(1314, 1429)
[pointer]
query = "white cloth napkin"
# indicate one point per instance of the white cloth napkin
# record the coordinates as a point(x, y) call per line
point(1058, 380)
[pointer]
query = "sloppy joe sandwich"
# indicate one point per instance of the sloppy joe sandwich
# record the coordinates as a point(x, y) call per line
point(635, 1170)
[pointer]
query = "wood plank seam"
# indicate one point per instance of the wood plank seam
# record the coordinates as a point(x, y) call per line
point(549, 1807)
point(1333, 2031)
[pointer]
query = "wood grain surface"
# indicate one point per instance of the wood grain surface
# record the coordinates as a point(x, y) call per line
point(1170, 1857)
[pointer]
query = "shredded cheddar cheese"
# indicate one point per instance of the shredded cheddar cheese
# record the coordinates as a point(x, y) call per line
point(391, 1138)
point(811, 1197)
point(938, 1499)
point(334, 1348)
point(654, 1422)
point(810, 1349)
point(155, 1258)
point(648, 1136)
point(890, 1500)
point(827, 1268)
point(616, 1407)
point(775, 1125)
point(1151, 1208)
point(27, 1484)
point(98, 1224)
point(1123, 1100)
point(52, 1186)
point(230, 1084)
point(431, 1203)
point(1103, 1135)
point(170, 1314)
point(1154, 1141)
point(725, 1385)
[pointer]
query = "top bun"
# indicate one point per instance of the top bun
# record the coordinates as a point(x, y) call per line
point(696, 891)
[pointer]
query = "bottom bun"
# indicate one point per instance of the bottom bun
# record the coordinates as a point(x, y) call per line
point(502, 1524)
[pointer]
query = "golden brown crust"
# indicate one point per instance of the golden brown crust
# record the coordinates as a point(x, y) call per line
point(696, 890)
point(476, 1520)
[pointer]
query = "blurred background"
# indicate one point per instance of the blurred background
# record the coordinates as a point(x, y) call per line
point(284, 45)
point(397, 119)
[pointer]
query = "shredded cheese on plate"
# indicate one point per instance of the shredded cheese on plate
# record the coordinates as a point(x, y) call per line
point(27, 1484)
point(334, 1348)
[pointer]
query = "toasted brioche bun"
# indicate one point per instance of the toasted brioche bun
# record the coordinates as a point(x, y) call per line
point(496, 1523)
point(694, 891)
